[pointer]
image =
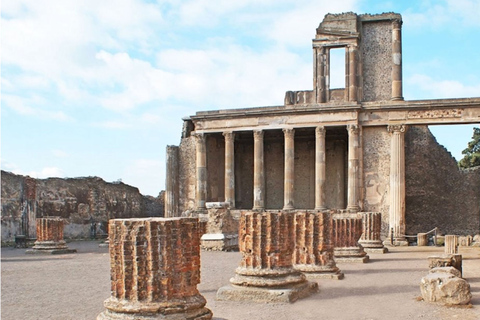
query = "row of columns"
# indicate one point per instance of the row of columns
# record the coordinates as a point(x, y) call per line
point(289, 177)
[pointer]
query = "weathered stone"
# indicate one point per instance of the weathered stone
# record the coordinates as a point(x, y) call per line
point(450, 270)
point(422, 239)
point(265, 273)
point(371, 230)
point(155, 269)
point(465, 241)
point(476, 241)
point(347, 230)
point(446, 260)
point(451, 244)
point(313, 254)
point(221, 230)
point(445, 288)
point(50, 237)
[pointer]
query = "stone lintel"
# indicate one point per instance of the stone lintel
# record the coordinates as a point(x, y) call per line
point(280, 294)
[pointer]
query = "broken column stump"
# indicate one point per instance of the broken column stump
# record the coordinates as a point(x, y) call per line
point(445, 286)
point(422, 239)
point(265, 274)
point(371, 230)
point(50, 237)
point(347, 230)
point(446, 260)
point(154, 270)
point(221, 229)
point(313, 254)
point(451, 244)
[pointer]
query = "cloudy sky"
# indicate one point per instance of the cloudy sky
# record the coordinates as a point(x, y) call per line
point(99, 88)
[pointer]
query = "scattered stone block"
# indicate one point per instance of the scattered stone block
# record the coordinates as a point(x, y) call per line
point(450, 270)
point(451, 244)
point(154, 270)
point(50, 237)
point(446, 260)
point(476, 241)
point(266, 273)
point(446, 288)
point(465, 241)
point(221, 229)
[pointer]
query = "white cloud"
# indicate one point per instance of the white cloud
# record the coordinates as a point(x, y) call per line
point(59, 153)
point(430, 88)
point(45, 172)
point(25, 106)
point(147, 174)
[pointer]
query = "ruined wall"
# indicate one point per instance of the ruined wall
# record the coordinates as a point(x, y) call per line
point(215, 168)
point(438, 194)
point(274, 169)
point(377, 60)
point(376, 168)
point(244, 171)
point(304, 193)
point(76, 200)
point(187, 174)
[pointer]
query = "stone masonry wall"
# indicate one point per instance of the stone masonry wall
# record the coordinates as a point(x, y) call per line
point(377, 61)
point(75, 199)
point(187, 174)
point(438, 194)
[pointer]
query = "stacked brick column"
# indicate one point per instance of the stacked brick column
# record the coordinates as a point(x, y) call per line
point(50, 237)
point(155, 269)
point(347, 230)
point(371, 227)
point(313, 254)
point(266, 273)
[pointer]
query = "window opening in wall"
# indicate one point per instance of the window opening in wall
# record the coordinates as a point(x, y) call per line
point(337, 68)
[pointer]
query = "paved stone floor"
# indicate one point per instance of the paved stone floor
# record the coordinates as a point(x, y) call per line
point(74, 286)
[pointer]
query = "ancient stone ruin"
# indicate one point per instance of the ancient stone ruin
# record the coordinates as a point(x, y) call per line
point(50, 237)
point(155, 269)
point(359, 148)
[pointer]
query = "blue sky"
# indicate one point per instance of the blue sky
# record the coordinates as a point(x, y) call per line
point(98, 88)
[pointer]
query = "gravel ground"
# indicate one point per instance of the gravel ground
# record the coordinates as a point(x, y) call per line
point(74, 286)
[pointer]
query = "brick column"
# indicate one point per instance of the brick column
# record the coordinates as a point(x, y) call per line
point(201, 163)
point(371, 229)
point(313, 254)
point(320, 168)
point(50, 237)
point(155, 269)
point(289, 178)
point(258, 171)
point(266, 274)
point(353, 168)
point(397, 60)
point(229, 168)
point(347, 230)
point(397, 185)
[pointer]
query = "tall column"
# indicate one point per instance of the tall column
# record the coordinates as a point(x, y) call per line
point(319, 78)
point(353, 168)
point(266, 273)
point(289, 176)
point(397, 184)
point(258, 171)
point(397, 60)
point(154, 270)
point(352, 73)
point(229, 168)
point(320, 168)
point(201, 161)
point(50, 237)
point(171, 183)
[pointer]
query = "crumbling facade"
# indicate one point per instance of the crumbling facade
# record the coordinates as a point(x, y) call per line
point(325, 148)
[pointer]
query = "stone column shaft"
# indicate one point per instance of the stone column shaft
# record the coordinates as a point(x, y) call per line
point(352, 73)
point(319, 77)
point(289, 176)
point(451, 244)
point(229, 168)
point(353, 168)
point(201, 162)
point(171, 183)
point(258, 171)
point(397, 184)
point(155, 269)
point(320, 168)
point(397, 91)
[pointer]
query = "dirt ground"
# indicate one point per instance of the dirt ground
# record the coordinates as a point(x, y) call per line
point(74, 286)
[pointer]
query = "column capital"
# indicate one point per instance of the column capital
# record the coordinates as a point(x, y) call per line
point(199, 136)
point(353, 128)
point(397, 23)
point(399, 128)
point(320, 131)
point(289, 132)
point(229, 135)
point(258, 134)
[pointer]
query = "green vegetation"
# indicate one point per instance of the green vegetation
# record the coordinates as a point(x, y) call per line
point(472, 152)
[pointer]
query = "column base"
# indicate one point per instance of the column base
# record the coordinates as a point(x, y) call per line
point(320, 272)
point(350, 254)
point(191, 308)
point(50, 247)
point(396, 243)
point(376, 250)
point(334, 275)
point(219, 242)
point(50, 251)
point(373, 246)
point(290, 293)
